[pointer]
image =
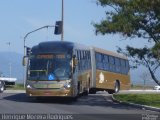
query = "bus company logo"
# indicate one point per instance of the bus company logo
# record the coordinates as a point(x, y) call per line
point(101, 77)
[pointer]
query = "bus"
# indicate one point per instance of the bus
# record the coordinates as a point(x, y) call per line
point(67, 69)
point(110, 71)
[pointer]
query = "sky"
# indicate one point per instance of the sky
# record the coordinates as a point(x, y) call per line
point(18, 17)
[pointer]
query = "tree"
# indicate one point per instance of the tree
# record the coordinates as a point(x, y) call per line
point(135, 18)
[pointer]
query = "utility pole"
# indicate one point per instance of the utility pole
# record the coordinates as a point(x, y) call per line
point(62, 35)
point(10, 64)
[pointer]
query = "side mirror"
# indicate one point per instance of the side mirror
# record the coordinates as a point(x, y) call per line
point(24, 62)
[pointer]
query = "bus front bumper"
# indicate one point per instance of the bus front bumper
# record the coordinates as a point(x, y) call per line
point(49, 93)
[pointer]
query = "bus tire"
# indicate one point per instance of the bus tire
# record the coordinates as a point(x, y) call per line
point(78, 89)
point(92, 91)
point(110, 91)
point(2, 86)
point(117, 87)
point(38, 98)
point(86, 92)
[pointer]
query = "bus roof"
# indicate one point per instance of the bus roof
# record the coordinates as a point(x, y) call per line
point(50, 46)
point(107, 52)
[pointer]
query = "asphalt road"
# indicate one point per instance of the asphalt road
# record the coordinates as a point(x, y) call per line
point(93, 107)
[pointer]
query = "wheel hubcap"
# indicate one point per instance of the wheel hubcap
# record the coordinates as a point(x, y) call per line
point(116, 87)
point(1, 87)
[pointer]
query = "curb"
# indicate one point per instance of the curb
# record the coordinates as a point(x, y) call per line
point(137, 105)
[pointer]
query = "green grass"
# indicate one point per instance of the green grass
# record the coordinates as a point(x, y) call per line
point(15, 87)
point(144, 99)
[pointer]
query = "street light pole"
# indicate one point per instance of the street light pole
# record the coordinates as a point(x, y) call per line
point(10, 64)
point(62, 35)
point(25, 38)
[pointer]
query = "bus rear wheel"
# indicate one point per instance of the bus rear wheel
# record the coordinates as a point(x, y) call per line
point(110, 91)
point(86, 92)
point(1, 87)
point(92, 91)
point(116, 87)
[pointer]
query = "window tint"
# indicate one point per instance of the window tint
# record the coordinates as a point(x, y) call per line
point(122, 62)
point(111, 60)
point(111, 63)
point(106, 66)
point(78, 55)
point(84, 61)
point(127, 64)
point(105, 59)
point(98, 57)
point(117, 61)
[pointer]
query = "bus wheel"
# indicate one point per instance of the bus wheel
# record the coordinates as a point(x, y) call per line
point(1, 87)
point(92, 91)
point(86, 92)
point(110, 91)
point(116, 87)
point(78, 89)
point(38, 98)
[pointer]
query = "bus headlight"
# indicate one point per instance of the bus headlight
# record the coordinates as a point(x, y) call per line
point(29, 86)
point(67, 85)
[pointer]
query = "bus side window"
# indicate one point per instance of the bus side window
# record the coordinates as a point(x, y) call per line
point(89, 59)
point(105, 59)
point(106, 62)
point(99, 63)
point(127, 66)
point(123, 63)
point(86, 55)
point(112, 63)
point(123, 66)
point(78, 56)
point(117, 63)
point(98, 57)
point(85, 60)
point(82, 55)
point(81, 60)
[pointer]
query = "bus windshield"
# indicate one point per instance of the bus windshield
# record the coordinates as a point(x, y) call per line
point(49, 67)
